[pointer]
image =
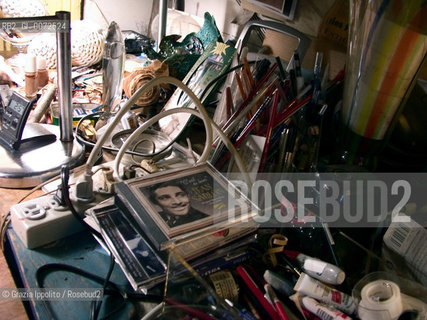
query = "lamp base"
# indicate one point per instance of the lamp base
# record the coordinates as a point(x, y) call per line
point(39, 159)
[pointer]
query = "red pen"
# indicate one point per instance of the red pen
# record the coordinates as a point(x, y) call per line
point(191, 310)
point(270, 127)
point(257, 292)
point(277, 303)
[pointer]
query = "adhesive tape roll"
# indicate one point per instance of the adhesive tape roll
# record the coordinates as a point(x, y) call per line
point(381, 300)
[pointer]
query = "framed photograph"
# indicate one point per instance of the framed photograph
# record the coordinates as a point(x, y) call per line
point(141, 264)
point(176, 206)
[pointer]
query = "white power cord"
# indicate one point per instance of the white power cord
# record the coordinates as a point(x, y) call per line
point(208, 124)
point(208, 127)
point(84, 190)
point(125, 108)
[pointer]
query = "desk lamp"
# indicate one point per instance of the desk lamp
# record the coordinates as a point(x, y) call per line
point(42, 149)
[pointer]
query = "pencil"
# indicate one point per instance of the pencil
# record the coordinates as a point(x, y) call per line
point(282, 149)
point(240, 113)
point(191, 310)
point(250, 283)
point(240, 85)
point(248, 72)
point(269, 130)
point(281, 70)
point(229, 102)
point(244, 133)
point(290, 111)
point(245, 107)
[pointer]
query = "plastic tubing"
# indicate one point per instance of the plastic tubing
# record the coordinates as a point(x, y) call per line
point(208, 126)
point(201, 114)
point(152, 121)
point(126, 107)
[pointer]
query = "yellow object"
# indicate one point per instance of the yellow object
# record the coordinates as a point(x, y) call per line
point(276, 244)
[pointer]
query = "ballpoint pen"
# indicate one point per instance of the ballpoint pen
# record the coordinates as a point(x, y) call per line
point(270, 127)
point(244, 133)
point(286, 113)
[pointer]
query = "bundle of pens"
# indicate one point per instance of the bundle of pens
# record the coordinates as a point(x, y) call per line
point(278, 111)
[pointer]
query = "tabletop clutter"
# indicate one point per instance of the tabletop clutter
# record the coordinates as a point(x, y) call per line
point(278, 118)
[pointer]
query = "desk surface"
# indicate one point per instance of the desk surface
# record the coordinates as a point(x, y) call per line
point(79, 250)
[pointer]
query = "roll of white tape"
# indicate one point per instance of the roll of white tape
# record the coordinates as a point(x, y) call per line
point(381, 300)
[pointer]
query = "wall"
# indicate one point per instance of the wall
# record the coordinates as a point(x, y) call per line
point(135, 14)
point(129, 14)
point(224, 12)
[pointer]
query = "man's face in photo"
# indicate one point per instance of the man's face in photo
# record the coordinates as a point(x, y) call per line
point(173, 200)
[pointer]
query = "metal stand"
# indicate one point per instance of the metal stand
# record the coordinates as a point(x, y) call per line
point(35, 163)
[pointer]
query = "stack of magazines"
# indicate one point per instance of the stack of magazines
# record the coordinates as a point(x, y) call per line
point(192, 211)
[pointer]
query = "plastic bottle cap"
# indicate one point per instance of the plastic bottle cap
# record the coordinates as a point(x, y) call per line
point(41, 63)
point(30, 63)
point(340, 277)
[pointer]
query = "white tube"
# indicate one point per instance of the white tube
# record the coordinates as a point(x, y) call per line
point(323, 311)
point(316, 289)
point(321, 270)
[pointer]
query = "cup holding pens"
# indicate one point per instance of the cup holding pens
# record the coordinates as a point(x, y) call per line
point(387, 45)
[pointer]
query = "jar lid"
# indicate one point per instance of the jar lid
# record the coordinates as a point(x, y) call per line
point(30, 63)
point(41, 63)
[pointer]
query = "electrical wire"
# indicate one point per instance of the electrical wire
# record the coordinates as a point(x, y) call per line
point(5, 222)
point(153, 312)
point(111, 149)
point(202, 113)
point(155, 119)
point(130, 102)
point(111, 288)
point(96, 304)
point(65, 174)
point(205, 153)
point(125, 108)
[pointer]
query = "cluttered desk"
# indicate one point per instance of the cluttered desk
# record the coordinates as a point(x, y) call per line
point(197, 178)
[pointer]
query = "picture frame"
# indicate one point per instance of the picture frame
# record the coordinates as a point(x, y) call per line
point(146, 267)
point(142, 265)
point(218, 205)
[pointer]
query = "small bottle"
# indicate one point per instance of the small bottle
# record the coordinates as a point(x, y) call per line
point(30, 76)
point(42, 76)
point(317, 268)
